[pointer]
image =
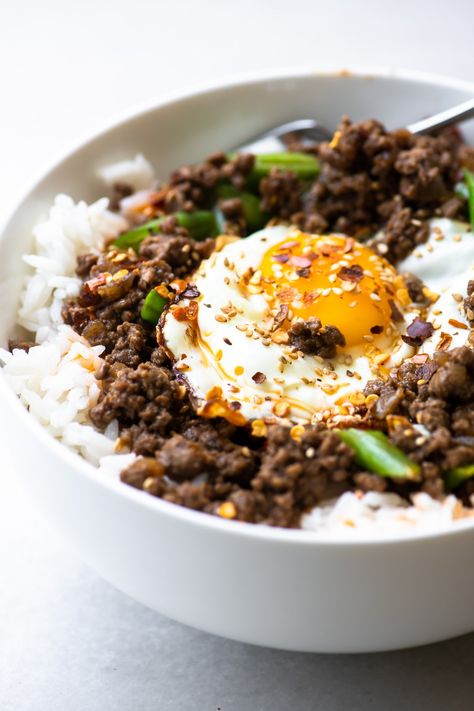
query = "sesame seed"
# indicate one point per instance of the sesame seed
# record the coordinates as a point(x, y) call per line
point(281, 408)
point(375, 297)
point(220, 318)
point(457, 238)
point(348, 285)
point(457, 297)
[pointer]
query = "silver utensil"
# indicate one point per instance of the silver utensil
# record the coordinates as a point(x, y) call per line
point(311, 131)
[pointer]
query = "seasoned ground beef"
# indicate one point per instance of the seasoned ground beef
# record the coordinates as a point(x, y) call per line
point(439, 396)
point(370, 180)
point(312, 338)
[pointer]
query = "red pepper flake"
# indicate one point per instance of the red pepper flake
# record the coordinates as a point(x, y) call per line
point(376, 329)
point(281, 258)
point(417, 332)
point(192, 310)
point(302, 262)
point(309, 297)
point(395, 312)
point(327, 250)
point(289, 245)
point(259, 377)
point(190, 292)
point(281, 316)
point(304, 273)
point(420, 358)
point(444, 341)
point(180, 313)
point(286, 295)
point(235, 405)
point(92, 284)
point(354, 273)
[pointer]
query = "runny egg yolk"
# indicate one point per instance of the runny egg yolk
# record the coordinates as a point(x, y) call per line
point(334, 278)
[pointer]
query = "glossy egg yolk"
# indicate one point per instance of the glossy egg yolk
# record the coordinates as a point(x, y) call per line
point(336, 279)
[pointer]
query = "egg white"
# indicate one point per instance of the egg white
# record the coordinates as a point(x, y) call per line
point(445, 263)
point(312, 387)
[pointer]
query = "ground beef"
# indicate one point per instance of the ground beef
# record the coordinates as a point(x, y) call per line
point(182, 254)
point(370, 180)
point(193, 186)
point(453, 381)
point(147, 394)
point(295, 475)
point(281, 193)
point(272, 486)
point(312, 338)
point(401, 234)
point(439, 395)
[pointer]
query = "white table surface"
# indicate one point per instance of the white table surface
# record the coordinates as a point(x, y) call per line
point(68, 640)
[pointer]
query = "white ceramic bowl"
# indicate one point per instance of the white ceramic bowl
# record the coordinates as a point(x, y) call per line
point(265, 586)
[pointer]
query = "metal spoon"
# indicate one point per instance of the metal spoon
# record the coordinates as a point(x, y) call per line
point(311, 131)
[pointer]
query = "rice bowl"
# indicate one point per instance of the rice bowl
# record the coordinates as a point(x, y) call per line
point(70, 361)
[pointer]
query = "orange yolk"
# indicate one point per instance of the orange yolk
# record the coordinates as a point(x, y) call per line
point(335, 279)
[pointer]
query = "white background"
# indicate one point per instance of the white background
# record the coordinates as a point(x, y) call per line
point(67, 640)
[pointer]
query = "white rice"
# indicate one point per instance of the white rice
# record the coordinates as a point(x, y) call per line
point(137, 172)
point(55, 379)
point(377, 515)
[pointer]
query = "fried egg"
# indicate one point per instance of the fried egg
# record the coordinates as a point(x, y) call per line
point(230, 342)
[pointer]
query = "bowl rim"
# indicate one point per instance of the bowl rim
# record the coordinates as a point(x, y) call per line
point(74, 461)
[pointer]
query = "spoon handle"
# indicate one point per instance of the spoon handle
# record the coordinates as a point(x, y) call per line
point(461, 112)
